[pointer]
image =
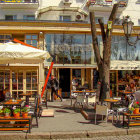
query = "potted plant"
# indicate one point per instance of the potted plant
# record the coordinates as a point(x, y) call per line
point(16, 112)
point(130, 110)
point(25, 111)
point(136, 108)
point(1, 112)
point(7, 112)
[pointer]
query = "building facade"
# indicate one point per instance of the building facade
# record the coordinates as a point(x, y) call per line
point(63, 28)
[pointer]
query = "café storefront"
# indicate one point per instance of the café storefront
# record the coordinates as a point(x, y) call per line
point(75, 57)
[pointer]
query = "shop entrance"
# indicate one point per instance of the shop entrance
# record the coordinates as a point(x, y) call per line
point(64, 82)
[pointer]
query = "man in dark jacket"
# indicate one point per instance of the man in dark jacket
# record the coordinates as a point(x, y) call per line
point(54, 87)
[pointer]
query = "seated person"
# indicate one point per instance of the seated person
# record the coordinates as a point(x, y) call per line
point(86, 85)
point(130, 87)
point(7, 94)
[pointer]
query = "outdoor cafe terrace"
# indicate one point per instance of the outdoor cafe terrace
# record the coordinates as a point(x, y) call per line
point(82, 112)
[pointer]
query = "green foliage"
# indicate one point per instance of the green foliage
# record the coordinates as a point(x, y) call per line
point(17, 110)
point(136, 105)
point(1, 111)
point(25, 109)
point(130, 110)
point(6, 110)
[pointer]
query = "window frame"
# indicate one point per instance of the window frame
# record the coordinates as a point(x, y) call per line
point(31, 39)
point(61, 18)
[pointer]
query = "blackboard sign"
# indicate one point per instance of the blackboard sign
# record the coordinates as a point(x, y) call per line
point(95, 78)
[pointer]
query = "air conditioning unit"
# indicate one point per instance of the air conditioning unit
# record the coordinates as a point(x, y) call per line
point(79, 17)
point(67, 1)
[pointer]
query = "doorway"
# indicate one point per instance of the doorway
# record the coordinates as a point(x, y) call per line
point(64, 82)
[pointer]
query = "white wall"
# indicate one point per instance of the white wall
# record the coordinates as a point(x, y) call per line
point(133, 10)
point(18, 12)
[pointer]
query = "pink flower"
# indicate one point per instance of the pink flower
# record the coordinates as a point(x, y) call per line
point(27, 105)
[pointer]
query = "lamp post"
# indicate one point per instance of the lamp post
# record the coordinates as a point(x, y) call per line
point(128, 27)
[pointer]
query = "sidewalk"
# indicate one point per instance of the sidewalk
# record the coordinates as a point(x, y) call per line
point(67, 123)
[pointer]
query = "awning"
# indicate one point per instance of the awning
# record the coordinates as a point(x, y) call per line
point(17, 51)
point(124, 65)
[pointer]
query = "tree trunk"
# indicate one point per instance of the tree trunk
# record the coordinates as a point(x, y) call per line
point(103, 63)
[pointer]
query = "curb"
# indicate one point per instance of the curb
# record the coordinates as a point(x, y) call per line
point(68, 135)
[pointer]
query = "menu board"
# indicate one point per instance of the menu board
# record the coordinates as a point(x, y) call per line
point(113, 84)
point(95, 78)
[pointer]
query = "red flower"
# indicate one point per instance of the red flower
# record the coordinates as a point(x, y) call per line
point(137, 102)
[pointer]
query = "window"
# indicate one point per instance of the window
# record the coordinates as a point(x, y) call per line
point(28, 17)
point(96, 19)
point(31, 39)
point(10, 17)
point(138, 2)
point(138, 21)
point(5, 38)
point(65, 18)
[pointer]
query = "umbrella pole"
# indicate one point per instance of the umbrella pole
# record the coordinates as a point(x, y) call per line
point(47, 78)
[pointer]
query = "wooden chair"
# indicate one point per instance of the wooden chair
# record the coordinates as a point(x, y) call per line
point(35, 112)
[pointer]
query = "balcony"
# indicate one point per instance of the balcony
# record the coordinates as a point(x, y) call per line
point(29, 4)
point(106, 5)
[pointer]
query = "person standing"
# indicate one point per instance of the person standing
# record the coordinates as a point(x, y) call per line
point(54, 88)
point(74, 83)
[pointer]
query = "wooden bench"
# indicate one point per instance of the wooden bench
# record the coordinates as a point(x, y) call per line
point(132, 119)
point(22, 124)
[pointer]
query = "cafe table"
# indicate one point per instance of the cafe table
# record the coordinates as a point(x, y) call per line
point(85, 92)
point(111, 101)
point(126, 92)
point(132, 119)
point(27, 95)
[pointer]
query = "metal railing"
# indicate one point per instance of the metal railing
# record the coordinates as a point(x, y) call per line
point(18, 1)
point(107, 2)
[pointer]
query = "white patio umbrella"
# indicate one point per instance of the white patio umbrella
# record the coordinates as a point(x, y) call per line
point(18, 51)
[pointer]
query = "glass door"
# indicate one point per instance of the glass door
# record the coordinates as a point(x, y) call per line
point(4, 79)
point(31, 82)
point(77, 73)
point(17, 83)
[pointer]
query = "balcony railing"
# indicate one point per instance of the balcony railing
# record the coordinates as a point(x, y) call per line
point(123, 3)
point(18, 1)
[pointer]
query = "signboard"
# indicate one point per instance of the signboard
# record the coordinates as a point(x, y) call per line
point(109, 25)
point(12, 1)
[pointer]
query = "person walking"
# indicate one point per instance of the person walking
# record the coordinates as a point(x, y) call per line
point(54, 88)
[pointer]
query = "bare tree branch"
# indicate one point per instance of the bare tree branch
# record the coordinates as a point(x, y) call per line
point(102, 31)
point(107, 49)
point(94, 39)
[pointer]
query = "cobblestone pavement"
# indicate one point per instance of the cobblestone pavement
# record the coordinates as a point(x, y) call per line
point(124, 137)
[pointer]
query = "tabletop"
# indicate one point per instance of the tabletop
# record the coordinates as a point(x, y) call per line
point(126, 92)
point(111, 100)
point(25, 94)
point(87, 91)
point(12, 102)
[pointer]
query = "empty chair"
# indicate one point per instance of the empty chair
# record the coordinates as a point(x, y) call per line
point(120, 110)
point(80, 100)
point(91, 99)
point(103, 110)
point(35, 111)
